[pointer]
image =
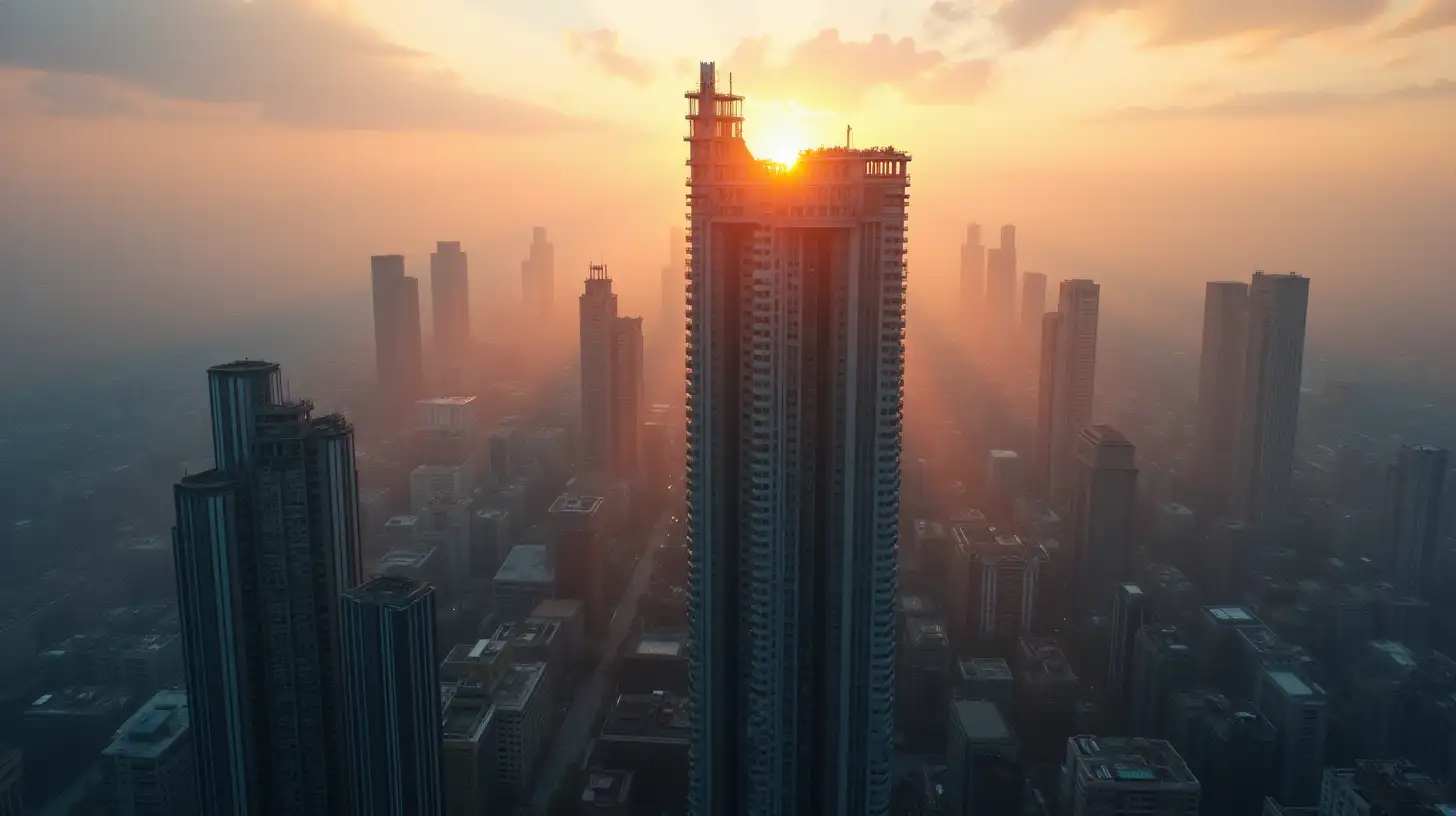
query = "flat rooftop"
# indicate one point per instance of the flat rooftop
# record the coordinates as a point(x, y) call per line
point(528, 633)
point(607, 789)
point(1125, 761)
point(981, 721)
point(558, 609)
point(1231, 615)
point(926, 633)
point(984, 668)
point(527, 564)
point(1004, 454)
point(660, 643)
point(390, 590)
point(403, 559)
point(466, 718)
point(1292, 684)
point(446, 401)
point(568, 504)
point(517, 684)
point(659, 715)
point(481, 651)
point(154, 728)
point(1167, 638)
point(85, 700)
point(402, 521)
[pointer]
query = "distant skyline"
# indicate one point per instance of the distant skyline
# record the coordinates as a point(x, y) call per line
point(1151, 149)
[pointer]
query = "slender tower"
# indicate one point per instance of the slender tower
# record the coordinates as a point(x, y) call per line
point(1033, 306)
point(396, 329)
point(598, 308)
point(973, 275)
point(450, 302)
point(1220, 384)
point(796, 317)
point(1411, 522)
point(1273, 371)
point(538, 276)
point(1067, 385)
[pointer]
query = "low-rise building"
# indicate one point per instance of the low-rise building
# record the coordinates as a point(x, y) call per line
point(149, 765)
point(655, 660)
point(1126, 776)
point(524, 581)
point(469, 749)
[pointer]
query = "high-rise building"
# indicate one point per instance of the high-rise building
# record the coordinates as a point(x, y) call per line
point(994, 599)
point(1229, 746)
point(1273, 368)
point(468, 747)
point(672, 284)
point(1300, 714)
point(149, 765)
point(1003, 484)
point(396, 329)
point(628, 400)
point(450, 302)
point(1130, 613)
point(1033, 306)
point(983, 760)
point(393, 698)
point(538, 276)
point(1001, 317)
point(1069, 370)
point(523, 705)
point(1411, 522)
point(1126, 776)
point(1103, 510)
point(1039, 472)
point(1163, 665)
point(611, 379)
point(266, 543)
point(973, 274)
point(577, 556)
point(796, 366)
point(1220, 384)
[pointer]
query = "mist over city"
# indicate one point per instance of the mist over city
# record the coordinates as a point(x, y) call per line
point(463, 408)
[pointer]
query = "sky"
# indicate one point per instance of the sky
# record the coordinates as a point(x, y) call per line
point(176, 166)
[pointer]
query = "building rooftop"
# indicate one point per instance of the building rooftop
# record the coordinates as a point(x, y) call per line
point(517, 684)
point(1043, 659)
point(403, 559)
point(916, 605)
point(481, 651)
point(1231, 615)
point(389, 590)
point(558, 609)
point(152, 729)
point(607, 789)
point(466, 717)
point(527, 564)
point(528, 634)
point(926, 633)
point(981, 721)
point(568, 504)
point(89, 700)
point(655, 716)
point(984, 668)
point(660, 643)
point(450, 401)
point(245, 366)
point(402, 521)
point(1292, 684)
point(1397, 786)
point(1004, 454)
point(1229, 718)
point(1167, 639)
point(1123, 761)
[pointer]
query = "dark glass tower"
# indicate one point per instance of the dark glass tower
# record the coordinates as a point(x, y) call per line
point(266, 543)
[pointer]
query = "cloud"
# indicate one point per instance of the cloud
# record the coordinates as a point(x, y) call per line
point(1289, 103)
point(600, 48)
point(1431, 15)
point(1177, 22)
point(827, 71)
point(293, 62)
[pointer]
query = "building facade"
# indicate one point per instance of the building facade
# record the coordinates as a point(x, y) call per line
point(1103, 509)
point(1220, 385)
point(450, 302)
point(398, 360)
point(538, 275)
point(796, 321)
point(1411, 521)
point(1069, 371)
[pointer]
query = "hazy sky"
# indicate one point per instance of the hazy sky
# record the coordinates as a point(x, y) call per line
point(177, 165)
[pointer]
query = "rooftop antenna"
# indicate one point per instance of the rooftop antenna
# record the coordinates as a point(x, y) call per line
point(848, 141)
point(730, 83)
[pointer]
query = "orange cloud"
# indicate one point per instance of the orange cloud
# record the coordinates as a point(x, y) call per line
point(1174, 22)
point(1431, 15)
point(601, 48)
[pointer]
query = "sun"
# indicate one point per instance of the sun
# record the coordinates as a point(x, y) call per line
point(777, 131)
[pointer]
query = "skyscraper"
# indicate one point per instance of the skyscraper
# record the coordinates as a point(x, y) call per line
point(396, 329)
point(450, 302)
point(1129, 615)
point(1411, 522)
point(1220, 384)
point(393, 698)
point(598, 309)
point(611, 379)
point(1103, 506)
point(1273, 367)
point(149, 765)
point(266, 543)
point(538, 276)
point(973, 275)
point(796, 321)
point(1033, 306)
point(1068, 373)
point(1001, 291)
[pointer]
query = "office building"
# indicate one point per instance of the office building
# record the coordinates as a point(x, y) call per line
point(1269, 416)
point(672, 285)
point(655, 660)
point(266, 544)
point(1130, 613)
point(1047, 698)
point(1390, 787)
point(994, 598)
point(149, 766)
point(490, 539)
point(1067, 377)
point(578, 559)
point(468, 749)
point(922, 682)
point(1411, 521)
point(450, 302)
point(1001, 273)
point(1220, 658)
point(1126, 776)
point(1103, 511)
point(525, 579)
point(1229, 746)
point(445, 526)
point(649, 735)
point(982, 760)
point(538, 276)
point(1163, 665)
point(611, 380)
point(1300, 714)
point(973, 275)
point(393, 698)
point(523, 705)
point(985, 678)
point(1033, 307)
point(398, 361)
point(1003, 485)
point(794, 438)
point(570, 616)
point(430, 481)
point(609, 793)
point(10, 790)
point(1220, 386)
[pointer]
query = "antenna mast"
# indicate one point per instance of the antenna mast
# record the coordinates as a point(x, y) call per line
point(848, 141)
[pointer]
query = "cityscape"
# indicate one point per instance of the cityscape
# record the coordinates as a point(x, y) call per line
point(803, 509)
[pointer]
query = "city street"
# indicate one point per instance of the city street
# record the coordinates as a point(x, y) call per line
point(576, 729)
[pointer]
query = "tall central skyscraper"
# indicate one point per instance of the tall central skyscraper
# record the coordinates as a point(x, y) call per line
point(1001, 293)
point(1220, 385)
point(973, 275)
point(266, 544)
point(1411, 521)
point(1068, 373)
point(450, 302)
point(538, 275)
point(611, 379)
point(1273, 371)
point(796, 317)
point(396, 329)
